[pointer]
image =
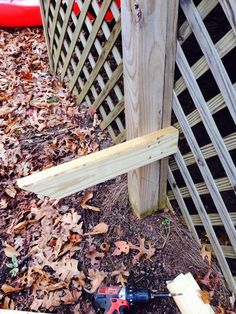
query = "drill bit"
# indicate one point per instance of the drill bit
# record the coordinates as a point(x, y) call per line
point(164, 294)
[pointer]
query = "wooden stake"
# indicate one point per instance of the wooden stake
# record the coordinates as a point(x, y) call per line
point(148, 78)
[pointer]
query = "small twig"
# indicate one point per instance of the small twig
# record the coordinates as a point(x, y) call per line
point(167, 236)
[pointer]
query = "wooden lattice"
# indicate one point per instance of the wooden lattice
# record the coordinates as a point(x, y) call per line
point(202, 176)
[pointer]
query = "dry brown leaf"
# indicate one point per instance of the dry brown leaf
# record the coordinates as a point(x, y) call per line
point(142, 250)
point(205, 296)
point(121, 247)
point(98, 229)
point(205, 253)
point(121, 275)
point(11, 191)
point(85, 199)
point(9, 289)
point(220, 310)
point(96, 277)
point(19, 226)
point(10, 251)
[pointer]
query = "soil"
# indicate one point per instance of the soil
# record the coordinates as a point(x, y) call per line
point(175, 250)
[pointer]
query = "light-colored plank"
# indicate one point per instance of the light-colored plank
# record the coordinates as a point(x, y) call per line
point(208, 151)
point(214, 218)
point(170, 52)
point(144, 26)
point(90, 42)
point(206, 222)
point(215, 64)
point(206, 116)
point(183, 208)
point(205, 172)
point(204, 8)
point(86, 171)
point(229, 8)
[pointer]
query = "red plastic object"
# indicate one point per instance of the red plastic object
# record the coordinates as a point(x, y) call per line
point(108, 16)
point(19, 13)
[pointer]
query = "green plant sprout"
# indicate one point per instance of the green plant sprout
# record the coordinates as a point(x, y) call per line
point(14, 266)
point(165, 221)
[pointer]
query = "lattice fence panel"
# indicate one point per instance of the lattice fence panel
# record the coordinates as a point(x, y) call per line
point(85, 50)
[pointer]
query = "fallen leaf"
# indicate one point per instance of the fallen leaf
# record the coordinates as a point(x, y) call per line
point(96, 277)
point(142, 250)
point(220, 310)
point(121, 275)
point(98, 229)
point(210, 280)
point(205, 296)
point(26, 75)
point(121, 247)
point(11, 191)
point(10, 251)
point(9, 289)
point(85, 199)
point(205, 253)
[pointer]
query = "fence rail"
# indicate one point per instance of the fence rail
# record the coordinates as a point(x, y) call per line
point(85, 50)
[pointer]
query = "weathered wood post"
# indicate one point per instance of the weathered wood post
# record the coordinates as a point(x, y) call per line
point(149, 40)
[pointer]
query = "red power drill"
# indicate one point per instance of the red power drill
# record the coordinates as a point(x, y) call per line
point(118, 300)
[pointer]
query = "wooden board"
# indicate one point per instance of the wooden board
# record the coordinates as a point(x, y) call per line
point(145, 25)
point(86, 171)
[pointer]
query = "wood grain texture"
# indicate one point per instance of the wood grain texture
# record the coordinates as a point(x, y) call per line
point(215, 219)
point(86, 171)
point(170, 52)
point(215, 64)
point(144, 27)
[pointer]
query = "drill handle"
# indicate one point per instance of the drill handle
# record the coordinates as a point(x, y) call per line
point(118, 306)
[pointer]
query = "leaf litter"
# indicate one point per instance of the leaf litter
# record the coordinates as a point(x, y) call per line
point(63, 250)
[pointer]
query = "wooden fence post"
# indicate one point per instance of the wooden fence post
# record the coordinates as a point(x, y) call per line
point(149, 38)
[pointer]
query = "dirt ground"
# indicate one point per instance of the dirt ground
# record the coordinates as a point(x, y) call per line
point(54, 254)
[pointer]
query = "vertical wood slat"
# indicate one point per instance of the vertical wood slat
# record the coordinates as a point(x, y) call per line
point(204, 40)
point(206, 174)
point(206, 222)
point(78, 29)
point(63, 32)
point(170, 52)
point(44, 9)
point(54, 23)
point(91, 39)
point(206, 116)
point(144, 37)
